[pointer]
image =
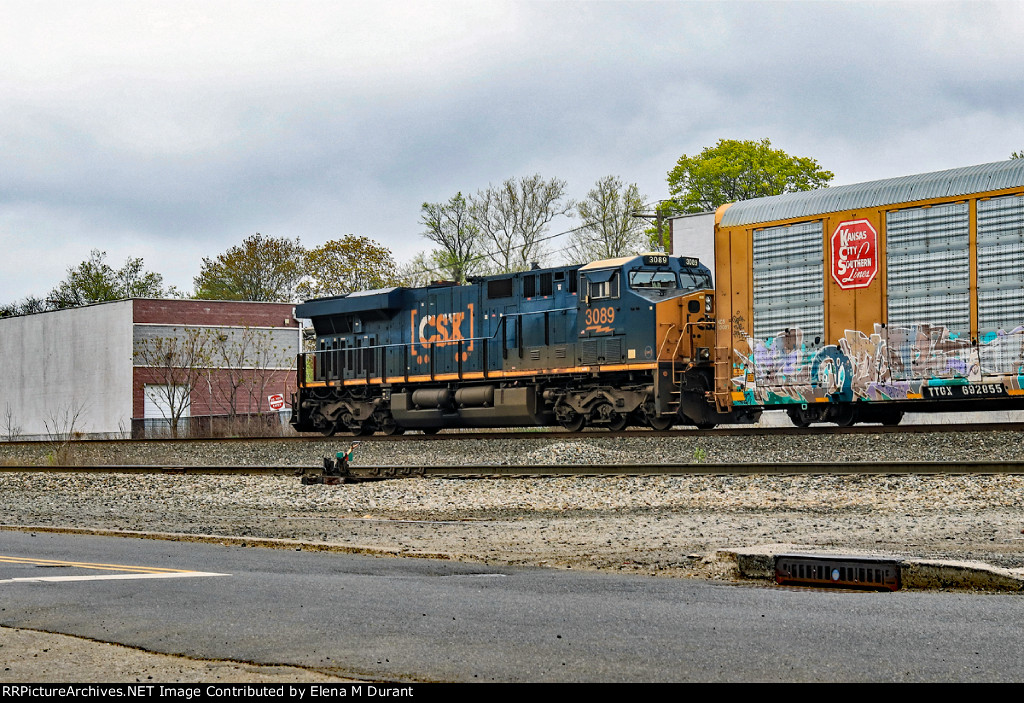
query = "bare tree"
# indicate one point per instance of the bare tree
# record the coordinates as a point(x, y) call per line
point(609, 229)
point(243, 364)
point(229, 352)
point(268, 359)
point(177, 363)
point(61, 430)
point(12, 430)
point(514, 216)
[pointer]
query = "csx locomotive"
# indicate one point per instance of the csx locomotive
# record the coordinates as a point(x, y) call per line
point(847, 304)
point(613, 343)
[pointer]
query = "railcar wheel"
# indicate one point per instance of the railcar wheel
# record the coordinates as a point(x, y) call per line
point(430, 430)
point(706, 425)
point(797, 417)
point(846, 416)
point(892, 419)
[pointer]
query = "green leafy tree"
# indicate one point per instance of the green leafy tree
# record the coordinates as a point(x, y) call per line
point(609, 229)
point(1017, 154)
point(739, 170)
point(513, 217)
point(261, 268)
point(95, 281)
point(25, 306)
point(450, 226)
point(347, 265)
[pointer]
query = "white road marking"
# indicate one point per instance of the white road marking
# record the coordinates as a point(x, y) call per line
point(133, 572)
point(112, 577)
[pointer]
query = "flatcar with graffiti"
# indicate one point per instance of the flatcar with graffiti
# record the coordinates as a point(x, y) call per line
point(847, 304)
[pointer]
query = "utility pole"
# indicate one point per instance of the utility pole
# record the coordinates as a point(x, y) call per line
point(658, 217)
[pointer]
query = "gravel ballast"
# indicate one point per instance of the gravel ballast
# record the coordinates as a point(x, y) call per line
point(661, 525)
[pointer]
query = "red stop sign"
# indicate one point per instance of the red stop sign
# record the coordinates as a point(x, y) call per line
point(276, 401)
point(854, 254)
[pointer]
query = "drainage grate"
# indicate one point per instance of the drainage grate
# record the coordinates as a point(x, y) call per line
point(850, 572)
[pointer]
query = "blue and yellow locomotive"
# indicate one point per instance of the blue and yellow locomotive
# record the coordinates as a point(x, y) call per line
point(619, 342)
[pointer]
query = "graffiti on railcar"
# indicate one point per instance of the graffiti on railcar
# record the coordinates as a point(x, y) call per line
point(892, 363)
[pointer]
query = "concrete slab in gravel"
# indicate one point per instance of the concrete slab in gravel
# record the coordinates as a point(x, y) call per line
point(759, 563)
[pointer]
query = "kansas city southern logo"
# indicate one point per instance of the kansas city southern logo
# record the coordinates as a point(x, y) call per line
point(854, 254)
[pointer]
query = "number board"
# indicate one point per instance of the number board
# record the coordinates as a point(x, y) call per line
point(655, 260)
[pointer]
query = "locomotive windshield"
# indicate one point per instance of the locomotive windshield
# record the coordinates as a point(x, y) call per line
point(652, 279)
point(687, 280)
point(694, 279)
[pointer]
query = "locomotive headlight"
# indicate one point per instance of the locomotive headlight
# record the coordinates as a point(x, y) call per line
point(707, 303)
point(704, 353)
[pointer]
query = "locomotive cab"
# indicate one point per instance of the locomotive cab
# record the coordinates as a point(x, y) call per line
point(650, 308)
point(651, 318)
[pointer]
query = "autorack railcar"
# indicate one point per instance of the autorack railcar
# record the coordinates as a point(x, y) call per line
point(858, 303)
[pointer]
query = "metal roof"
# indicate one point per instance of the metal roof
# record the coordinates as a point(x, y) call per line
point(924, 186)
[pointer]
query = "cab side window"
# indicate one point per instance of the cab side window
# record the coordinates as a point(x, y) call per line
point(602, 284)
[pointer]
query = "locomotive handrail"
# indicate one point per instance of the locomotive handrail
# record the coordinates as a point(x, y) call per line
point(407, 346)
point(671, 325)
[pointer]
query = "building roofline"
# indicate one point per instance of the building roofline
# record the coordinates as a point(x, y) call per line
point(950, 183)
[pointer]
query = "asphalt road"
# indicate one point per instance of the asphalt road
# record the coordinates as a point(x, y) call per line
point(390, 619)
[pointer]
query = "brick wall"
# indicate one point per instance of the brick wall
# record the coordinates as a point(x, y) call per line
point(203, 403)
point(224, 313)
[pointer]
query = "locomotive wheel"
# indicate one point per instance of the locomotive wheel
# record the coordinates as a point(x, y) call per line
point(576, 424)
point(329, 429)
point(706, 425)
point(617, 422)
point(392, 428)
point(661, 423)
point(430, 430)
point(364, 430)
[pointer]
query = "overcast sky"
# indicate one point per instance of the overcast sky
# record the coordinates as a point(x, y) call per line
point(173, 130)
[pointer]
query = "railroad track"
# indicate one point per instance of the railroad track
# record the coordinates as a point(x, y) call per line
point(357, 473)
point(551, 433)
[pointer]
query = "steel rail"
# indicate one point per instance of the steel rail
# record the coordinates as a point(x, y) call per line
point(555, 433)
point(502, 470)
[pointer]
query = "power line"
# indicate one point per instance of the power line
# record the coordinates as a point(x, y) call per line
point(490, 254)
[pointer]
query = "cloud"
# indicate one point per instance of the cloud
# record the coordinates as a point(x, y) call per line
point(182, 128)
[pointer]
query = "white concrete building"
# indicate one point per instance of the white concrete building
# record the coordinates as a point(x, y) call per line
point(76, 370)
